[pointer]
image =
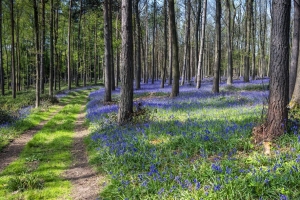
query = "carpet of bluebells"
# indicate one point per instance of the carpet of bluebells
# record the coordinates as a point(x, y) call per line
point(195, 146)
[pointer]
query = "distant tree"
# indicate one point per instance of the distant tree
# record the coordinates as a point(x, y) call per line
point(229, 43)
point(162, 85)
point(69, 44)
point(138, 47)
point(175, 85)
point(126, 96)
point(51, 67)
point(202, 40)
point(1, 53)
point(295, 48)
point(217, 65)
point(107, 41)
point(277, 116)
point(13, 70)
point(37, 56)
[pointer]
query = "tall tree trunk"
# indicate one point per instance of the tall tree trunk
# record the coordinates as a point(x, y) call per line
point(277, 116)
point(170, 54)
point(51, 49)
point(200, 60)
point(229, 44)
point(126, 96)
point(197, 38)
point(37, 56)
point(138, 47)
point(95, 54)
point(295, 48)
point(217, 66)
point(146, 47)
point(249, 8)
point(42, 57)
point(69, 45)
point(1, 53)
point(186, 61)
point(13, 70)
point(175, 85)
point(162, 85)
point(113, 87)
point(107, 53)
point(153, 42)
point(78, 45)
point(253, 40)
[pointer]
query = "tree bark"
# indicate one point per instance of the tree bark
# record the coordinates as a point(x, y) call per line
point(107, 53)
point(277, 116)
point(42, 54)
point(153, 41)
point(217, 66)
point(200, 60)
point(126, 96)
point(295, 48)
point(162, 85)
point(175, 85)
point(229, 44)
point(37, 56)
point(138, 47)
point(1, 53)
point(13, 70)
point(249, 8)
point(69, 45)
point(51, 49)
point(186, 61)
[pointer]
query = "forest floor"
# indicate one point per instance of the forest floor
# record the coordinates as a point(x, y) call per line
point(83, 178)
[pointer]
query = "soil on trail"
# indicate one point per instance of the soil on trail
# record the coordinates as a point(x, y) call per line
point(13, 150)
point(84, 179)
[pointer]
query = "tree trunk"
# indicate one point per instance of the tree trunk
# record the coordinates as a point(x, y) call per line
point(186, 61)
point(249, 9)
point(126, 96)
point(295, 48)
point(51, 49)
point(229, 44)
point(13, 70)
point(112, 71)
point(153, 41)
point(277, 116)
point(175, 85)
point(1, 54)
point(217, 66)
point(69, 46)
point(107, 53)
point(138, 47)
point(78, 45)
point(162, 85)
point(42, 55)
point(37, 57)
point(200, 60)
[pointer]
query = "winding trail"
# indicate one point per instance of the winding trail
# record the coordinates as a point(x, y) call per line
point(13, 150)
point(84, 179)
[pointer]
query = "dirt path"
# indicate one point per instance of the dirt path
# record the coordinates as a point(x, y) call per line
point(13, 150)
point(85, 181)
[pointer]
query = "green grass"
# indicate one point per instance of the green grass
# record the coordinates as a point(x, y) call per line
point(37, 173)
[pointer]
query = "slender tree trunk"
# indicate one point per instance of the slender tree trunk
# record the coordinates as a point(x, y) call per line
point(51, 49)
point(78, 45)
point(277, 116)
point(175, 85)
point(13, 70)
point(249, 9)
point(229, 44)
point(197, 38)
point(295, 48)
point(126, 97)
point(162, 85)
point(146, 47)
point(42, 55)
point(200, 60)
point(95, 54)
point(112, 79)
point(253, 40)
point(170, 54)
point(138, 47)
point(1, 53)
point(153, 42)
point(186, 61)
point(217, 66)
point(107, 53)
point(69, 45)
point(37, 57)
